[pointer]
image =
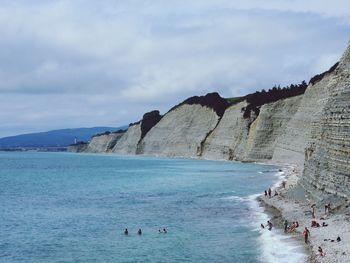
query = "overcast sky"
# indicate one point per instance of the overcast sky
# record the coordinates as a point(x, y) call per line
point(84, 63)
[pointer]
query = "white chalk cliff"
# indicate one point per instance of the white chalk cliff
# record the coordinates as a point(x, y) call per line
point(312, 129)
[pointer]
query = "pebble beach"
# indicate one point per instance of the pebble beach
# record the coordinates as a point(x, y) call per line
point(295, 204)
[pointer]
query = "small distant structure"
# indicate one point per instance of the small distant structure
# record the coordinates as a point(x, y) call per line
point(75, 140)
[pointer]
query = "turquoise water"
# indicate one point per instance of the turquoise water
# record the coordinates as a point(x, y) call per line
point(60, 207)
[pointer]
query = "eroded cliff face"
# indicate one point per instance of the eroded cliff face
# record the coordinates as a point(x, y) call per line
point(250, 139)
point(327, 157)
point(180, 132)
point(229, 139)
point(290, 147)
point(103, 143)
point(269, 127)
point(127, 144)
point(77, 148)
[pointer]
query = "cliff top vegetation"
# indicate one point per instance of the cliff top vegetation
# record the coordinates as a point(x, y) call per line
point(211, 100)
point(319, 77)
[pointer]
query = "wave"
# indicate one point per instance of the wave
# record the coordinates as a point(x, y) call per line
point(234, 198)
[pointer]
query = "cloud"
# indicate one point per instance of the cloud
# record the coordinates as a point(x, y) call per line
point(79, 63)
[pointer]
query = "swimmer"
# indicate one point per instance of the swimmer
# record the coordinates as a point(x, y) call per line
point(126, 232)
point(269, 224)
point(139, 232)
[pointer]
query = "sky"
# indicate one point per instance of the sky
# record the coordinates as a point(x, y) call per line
point(85, 63)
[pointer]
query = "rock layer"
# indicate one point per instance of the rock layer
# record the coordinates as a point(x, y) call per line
point(327, 157)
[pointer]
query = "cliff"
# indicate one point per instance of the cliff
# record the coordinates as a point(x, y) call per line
point(308, 129)
point(327, 157)
point(291, 145)
point(269, 128)
point(228, 140)
point(127, 144)
point(104, 142)
point(78, 147)
point(180, 132)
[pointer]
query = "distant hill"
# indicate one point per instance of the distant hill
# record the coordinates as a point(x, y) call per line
point(54, 138)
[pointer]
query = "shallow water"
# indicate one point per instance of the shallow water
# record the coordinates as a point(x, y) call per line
point(60, 207)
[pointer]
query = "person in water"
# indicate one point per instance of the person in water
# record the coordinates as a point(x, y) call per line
point(306, 234)
point(269, 224)
point(262, 226)
point(265, 193)
point(126, 232)
point(165, 231)
point(269, 192)
point(139, 232)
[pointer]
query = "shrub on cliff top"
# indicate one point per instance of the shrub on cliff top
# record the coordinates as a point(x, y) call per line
point(148, 121)
point(319, 77)
point(259, 98)
point(211, 100)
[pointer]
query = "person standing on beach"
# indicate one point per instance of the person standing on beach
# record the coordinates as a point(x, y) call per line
point(284, 184)
point(313, 211)
point(327, 208)
point(306, 234)
point(285, 226)
point(320, 250)
point(265, 193)
point(269, 192)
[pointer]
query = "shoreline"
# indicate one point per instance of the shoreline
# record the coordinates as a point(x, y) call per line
point(293, 204)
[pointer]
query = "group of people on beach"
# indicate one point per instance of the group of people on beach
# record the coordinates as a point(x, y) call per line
point(289, 228)
point(269, 193)
point(139, 232)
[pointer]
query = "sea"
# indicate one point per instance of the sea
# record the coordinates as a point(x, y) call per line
point(65, 207)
